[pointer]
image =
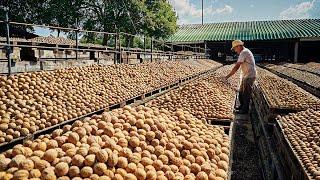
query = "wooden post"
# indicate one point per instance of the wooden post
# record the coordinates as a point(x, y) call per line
point(120, 50)
point(144, 45)
point(163, 53)
point(115, 48)
point(151, 49)
point(205, 49)
point(77, 44)
point(296, 52)
point(183, 52)
point(193, 49)
point(172, 50)
point(8, 40)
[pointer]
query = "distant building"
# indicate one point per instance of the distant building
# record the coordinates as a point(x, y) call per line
point(279, 40)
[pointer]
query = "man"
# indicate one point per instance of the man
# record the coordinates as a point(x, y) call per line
point(247, 63)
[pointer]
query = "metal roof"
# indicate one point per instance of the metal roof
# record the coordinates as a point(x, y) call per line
point(252, 30)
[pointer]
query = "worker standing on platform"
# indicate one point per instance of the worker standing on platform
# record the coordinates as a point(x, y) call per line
point(248, 76)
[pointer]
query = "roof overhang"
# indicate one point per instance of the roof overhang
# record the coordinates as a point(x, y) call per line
point(248, 31)
point(186, 42)
point(310, 39)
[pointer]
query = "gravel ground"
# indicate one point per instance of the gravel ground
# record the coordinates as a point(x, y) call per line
point(246, 162)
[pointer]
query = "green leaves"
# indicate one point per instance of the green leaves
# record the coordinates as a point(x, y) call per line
point(162, 19)
point(142, 17)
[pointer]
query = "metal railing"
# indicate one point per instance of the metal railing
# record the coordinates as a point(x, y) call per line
point(157, 46)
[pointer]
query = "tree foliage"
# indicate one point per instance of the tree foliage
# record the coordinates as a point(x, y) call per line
point(62, 13)
point(20, 11)
point(142, 17)
point(161, 20)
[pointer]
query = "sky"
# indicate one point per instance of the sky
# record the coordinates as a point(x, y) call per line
point(47, 32)
point(189, 11)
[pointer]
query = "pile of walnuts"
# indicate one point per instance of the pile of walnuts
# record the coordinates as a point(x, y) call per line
point(302, 76)
point(34, 101)
point(206, 98)
point(313, 67)
point(128, 143)
point(281, 93)
point(302, 130)
point(54, 40)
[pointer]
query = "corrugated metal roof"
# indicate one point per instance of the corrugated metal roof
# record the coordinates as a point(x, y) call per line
point(252, 30)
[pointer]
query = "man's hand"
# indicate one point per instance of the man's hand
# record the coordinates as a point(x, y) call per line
point(234, 69)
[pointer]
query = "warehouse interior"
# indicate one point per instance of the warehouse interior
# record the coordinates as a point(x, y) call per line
point(271, 50)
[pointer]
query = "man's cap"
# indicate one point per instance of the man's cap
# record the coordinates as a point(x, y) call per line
point(236, 43)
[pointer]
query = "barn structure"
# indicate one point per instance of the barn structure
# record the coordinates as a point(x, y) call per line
point(278, 40)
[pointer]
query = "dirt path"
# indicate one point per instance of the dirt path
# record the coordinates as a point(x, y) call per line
point(246, 162)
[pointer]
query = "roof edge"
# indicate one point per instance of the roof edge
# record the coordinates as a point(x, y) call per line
point(276, 20)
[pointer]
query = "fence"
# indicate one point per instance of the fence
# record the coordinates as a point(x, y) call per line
point(114, 43)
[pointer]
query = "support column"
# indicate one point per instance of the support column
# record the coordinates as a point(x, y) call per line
point(172, 54)
point(296, 51)
point(8, 47)
point(115, 48)
point(145, 48)
point(77, 38)
point(151, 49)
point(205, 49)
point(120, 49)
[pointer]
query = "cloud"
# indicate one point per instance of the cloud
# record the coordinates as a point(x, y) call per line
point(251, 5)
point(186, 10)
point(225, 10)
point(299, 11)
point(184, 7)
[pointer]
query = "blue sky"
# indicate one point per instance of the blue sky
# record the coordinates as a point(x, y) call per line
point(47, 32)
point(189, 11)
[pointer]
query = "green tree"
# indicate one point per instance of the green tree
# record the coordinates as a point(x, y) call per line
point(141, 17)
point(113, 16)
point(152, 18)
point(62, 13)
point(161, 20)
point(19, 11)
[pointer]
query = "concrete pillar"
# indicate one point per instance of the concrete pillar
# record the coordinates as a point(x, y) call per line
point(205, 49)
point(296, 52)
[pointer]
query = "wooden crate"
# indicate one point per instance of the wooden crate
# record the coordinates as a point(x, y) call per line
point(225, 123)
point(219, 122)
point(265, 111)
point(288, 156)
point(8, 145)
point(311, 89)
point(271, 167)
point(231, 137)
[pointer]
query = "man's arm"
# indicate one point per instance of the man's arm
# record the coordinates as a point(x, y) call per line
point(234, 69)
